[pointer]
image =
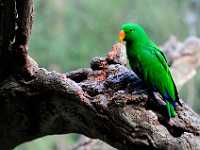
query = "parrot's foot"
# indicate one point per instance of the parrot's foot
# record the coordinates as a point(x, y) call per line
point(159, 99)
point(170, 122)
point(156, 99)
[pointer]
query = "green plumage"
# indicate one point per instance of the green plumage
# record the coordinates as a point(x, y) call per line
point(150, 64)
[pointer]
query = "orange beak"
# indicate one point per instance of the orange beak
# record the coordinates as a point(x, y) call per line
point(121, 36)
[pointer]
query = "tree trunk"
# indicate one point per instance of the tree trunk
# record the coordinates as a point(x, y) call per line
point(106, 101)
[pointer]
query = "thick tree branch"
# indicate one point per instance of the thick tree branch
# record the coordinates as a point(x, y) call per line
point(24, 21)
point(15, 28)
point(108, 102)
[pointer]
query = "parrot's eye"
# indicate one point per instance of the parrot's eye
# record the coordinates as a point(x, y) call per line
point(131, 30)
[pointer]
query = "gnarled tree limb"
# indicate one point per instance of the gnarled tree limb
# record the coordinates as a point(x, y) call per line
point(106, 101)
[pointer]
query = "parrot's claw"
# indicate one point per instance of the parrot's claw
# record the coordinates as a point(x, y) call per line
point(171, 123)
point(157, 96)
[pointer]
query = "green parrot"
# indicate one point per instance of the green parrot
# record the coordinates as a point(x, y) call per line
point(150, 64)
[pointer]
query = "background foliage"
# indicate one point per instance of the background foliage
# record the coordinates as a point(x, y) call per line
point(68, 33)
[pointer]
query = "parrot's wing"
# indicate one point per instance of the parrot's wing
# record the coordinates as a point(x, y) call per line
point(161, 56)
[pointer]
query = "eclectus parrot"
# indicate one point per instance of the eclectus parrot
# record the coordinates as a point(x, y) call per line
point(150, 64)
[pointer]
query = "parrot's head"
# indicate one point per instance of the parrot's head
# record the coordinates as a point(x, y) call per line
point(131, 32)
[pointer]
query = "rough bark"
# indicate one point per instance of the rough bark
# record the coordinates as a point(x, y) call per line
point(106, 101)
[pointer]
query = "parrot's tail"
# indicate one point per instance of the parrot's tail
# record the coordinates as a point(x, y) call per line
point(171, 110)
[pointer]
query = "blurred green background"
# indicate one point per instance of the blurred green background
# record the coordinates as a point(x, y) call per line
point(68, 33)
